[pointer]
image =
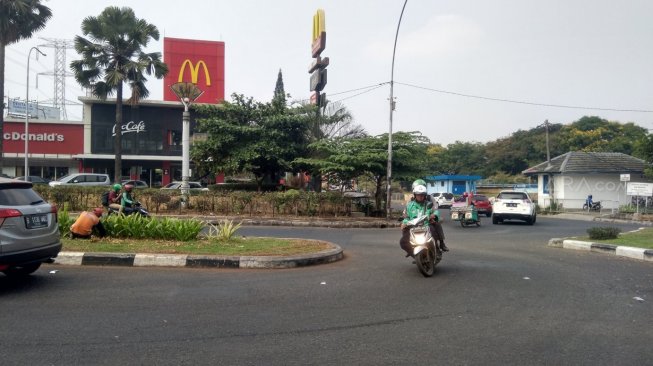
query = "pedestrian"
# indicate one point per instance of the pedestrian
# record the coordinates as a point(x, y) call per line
point(87, 222)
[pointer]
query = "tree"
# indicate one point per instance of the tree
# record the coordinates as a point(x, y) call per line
point(248, 136)
point(350, 158)
point(325, 123)
point(112, 55)
point(19, 19)
point(279, 97)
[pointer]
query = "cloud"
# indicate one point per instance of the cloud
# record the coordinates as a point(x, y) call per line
point(441, 35)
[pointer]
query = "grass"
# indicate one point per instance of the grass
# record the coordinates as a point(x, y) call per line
point(639, 239)
point(235, 246)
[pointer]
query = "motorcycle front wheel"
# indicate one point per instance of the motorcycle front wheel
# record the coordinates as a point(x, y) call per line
point(425, 261)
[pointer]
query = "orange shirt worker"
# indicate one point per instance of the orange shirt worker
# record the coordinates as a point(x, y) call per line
point(86, 222)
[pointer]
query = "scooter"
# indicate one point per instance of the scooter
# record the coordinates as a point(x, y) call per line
point(595, 206)
point(467, 215)
point(138, 209)
point(427, 254)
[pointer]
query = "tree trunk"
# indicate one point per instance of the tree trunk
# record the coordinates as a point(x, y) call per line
point(117, 142)
point(378, 196)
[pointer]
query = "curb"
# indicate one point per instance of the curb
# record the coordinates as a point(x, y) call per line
point(619, 250)
point(199, 261)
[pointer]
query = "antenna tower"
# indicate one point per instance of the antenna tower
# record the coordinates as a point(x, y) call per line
point(59, 73)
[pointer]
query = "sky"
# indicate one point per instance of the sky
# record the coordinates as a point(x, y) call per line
point(472, 71)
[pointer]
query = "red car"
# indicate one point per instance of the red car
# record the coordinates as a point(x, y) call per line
point(482, 204)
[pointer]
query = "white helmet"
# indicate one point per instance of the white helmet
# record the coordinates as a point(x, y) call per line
point(419, 189)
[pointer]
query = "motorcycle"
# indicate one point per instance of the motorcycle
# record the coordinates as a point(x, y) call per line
point(138, 209)
point(595, 206)
point(466, 216)
point(426, 252)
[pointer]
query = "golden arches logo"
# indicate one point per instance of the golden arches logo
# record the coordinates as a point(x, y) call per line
point(194, 70)
point(318, 24)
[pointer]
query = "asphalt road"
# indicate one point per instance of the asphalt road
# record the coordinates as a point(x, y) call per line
point(500, 297)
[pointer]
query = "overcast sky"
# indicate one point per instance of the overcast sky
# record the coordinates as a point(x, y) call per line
point(464, 70)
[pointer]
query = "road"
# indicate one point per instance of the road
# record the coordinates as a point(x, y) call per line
point(500, 297)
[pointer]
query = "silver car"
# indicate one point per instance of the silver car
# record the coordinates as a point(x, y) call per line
point(29, 229)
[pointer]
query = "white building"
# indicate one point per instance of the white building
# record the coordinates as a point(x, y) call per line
point(568, 179)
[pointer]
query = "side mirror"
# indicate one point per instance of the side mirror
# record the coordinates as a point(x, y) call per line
point(429, 205)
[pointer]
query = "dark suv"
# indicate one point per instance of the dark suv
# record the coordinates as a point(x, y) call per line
point(29, 229)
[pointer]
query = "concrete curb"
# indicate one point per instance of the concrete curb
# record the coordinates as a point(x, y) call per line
point(199, 261)
point(622, 251)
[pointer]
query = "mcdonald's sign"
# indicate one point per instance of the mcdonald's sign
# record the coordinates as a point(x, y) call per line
point(193, 72)
point(196, 61)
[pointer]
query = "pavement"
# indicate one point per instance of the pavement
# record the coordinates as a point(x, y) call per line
point(335, 253)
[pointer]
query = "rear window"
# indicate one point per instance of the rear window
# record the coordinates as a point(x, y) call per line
point(512, 196)
point(447, 195)
point(480, 198)
point(18, 196)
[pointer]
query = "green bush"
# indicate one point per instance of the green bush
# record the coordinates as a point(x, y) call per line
point(65, 221)
point(139, 227)
point(603, 233)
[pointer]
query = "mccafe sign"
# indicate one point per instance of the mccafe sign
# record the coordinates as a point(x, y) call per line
point(130, 127)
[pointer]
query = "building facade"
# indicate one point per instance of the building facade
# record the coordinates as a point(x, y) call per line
point(151, 130)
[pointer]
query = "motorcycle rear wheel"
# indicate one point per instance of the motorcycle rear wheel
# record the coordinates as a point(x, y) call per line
point(425, 261)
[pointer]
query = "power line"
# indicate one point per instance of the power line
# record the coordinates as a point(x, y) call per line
point(361, 93)
point(524, 102)
point(357, 89)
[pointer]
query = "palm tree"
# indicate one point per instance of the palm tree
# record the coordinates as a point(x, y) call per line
point(19, 19)
point(112, 55)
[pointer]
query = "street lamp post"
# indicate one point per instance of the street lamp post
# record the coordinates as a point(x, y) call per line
point(388, 202)
point(27, 109)
point(187, 94)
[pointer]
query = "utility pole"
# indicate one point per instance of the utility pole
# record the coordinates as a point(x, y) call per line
point(548, 153)
point(388, 200)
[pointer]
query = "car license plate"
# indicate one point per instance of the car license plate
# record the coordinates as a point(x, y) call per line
point(36, 221)
point(511, 205)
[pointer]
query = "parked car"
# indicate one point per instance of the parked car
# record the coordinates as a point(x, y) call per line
point(444, 200)
point(482, 204)
point(29, 230)
point(194, 186)
point(135, 183)
point(34, 179)
point(513, 205)
point(82, 179)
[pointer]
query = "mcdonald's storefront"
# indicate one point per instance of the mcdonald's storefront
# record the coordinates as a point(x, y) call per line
point(151, 132)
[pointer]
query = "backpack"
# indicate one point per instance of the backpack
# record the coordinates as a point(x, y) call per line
point(105, 199)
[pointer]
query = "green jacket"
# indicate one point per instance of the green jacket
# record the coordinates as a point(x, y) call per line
point(414, 209)
point(127, 200)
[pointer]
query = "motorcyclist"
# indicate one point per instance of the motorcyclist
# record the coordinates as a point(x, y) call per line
point(127, 200)
point(86, 223)
point(414, 208)
point(115, 197)
point(436, 227)
point(589, 201)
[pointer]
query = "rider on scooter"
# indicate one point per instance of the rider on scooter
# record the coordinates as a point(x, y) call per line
point(414, 209)
point(127, 201)
point(115, 197)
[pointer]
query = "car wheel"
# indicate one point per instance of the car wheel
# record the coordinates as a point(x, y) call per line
point(534, 218)
point(530, 221)
point(488, 214)
point(22, 271)
point(495, 220)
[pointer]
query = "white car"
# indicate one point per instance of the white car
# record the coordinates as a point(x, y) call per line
point(444, 199)
point(194, 186)
point(82, 179)
point(513, 205)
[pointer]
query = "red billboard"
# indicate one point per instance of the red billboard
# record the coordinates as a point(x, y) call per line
point(195, 61)
point(44, 138)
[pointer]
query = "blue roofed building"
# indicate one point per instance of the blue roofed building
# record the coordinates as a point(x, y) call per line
point(456, 184)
